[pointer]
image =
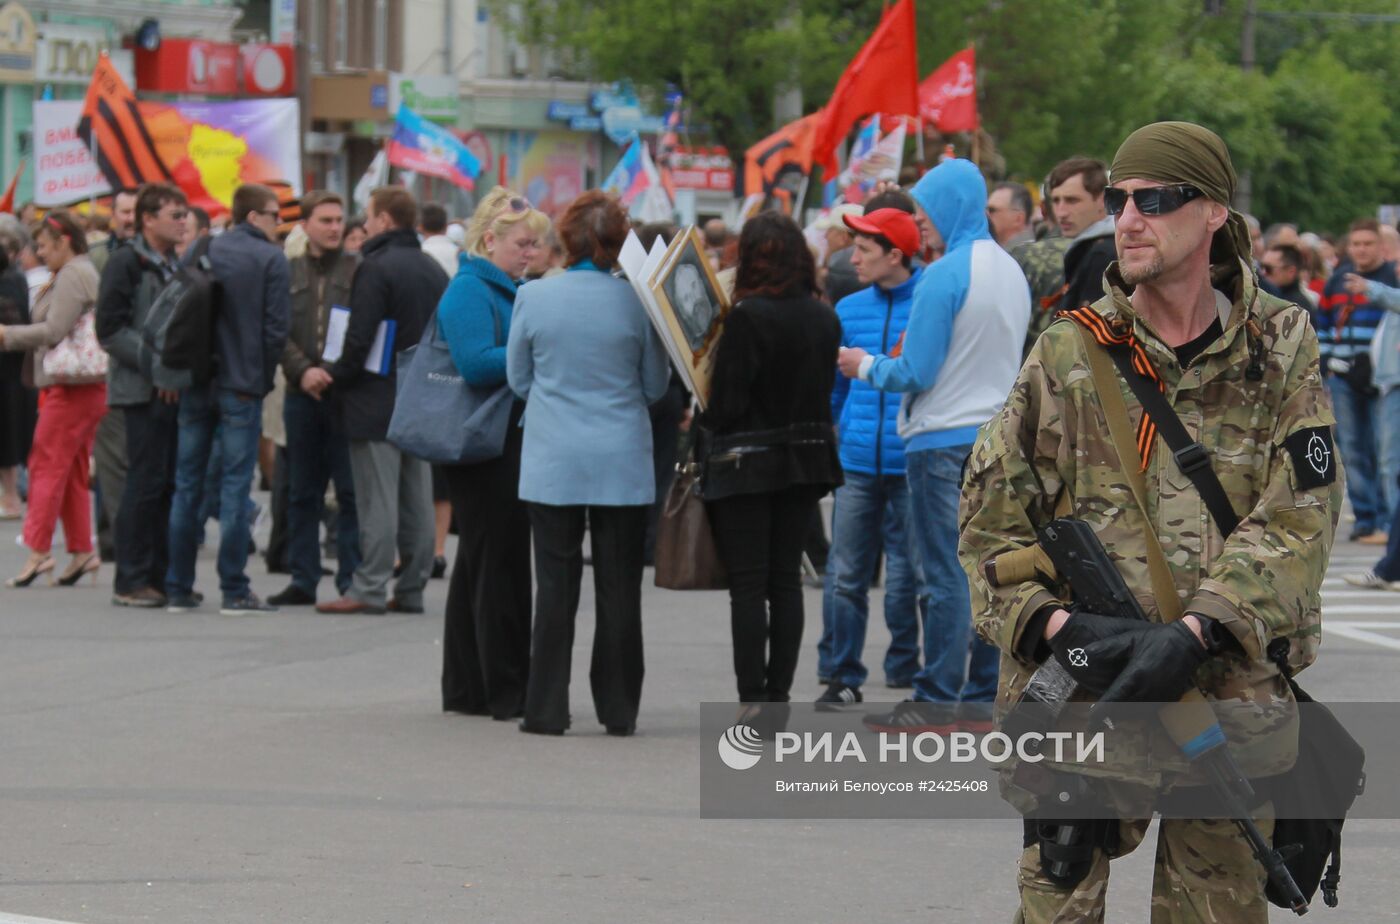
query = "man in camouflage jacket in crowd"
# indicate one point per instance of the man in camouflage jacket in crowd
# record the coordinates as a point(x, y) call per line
point(1240, 368)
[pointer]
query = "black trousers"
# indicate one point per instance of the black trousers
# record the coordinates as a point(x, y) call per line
point(617, 668)
point(759, 538)
point(486, 635)
point(276, 555)
point(143, 520)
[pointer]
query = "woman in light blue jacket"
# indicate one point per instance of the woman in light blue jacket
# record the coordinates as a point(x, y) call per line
point(583, 354)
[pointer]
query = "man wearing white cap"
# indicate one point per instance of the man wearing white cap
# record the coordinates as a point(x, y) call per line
point(841, 277)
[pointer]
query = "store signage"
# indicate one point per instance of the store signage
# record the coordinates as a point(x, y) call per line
point(68, 54)
point(183, 65)
point(560, 111)
point(701, 168)
point(17, 44)
point(269, 70)
point(436, 98)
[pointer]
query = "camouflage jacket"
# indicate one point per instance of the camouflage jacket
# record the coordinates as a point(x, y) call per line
point(1043, 262)
point(1051, 436)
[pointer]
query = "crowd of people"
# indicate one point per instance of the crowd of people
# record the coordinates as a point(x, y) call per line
point(927, 356)
point(861, 358)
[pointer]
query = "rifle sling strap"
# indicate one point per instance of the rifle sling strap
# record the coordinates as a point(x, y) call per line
point(1191, 457)
point(1120, 430)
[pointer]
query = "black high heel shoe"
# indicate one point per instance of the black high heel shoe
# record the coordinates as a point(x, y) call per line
point(27, 576)
point(75, 573)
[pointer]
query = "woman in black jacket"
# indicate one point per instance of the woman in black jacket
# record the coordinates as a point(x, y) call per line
point(771, 450)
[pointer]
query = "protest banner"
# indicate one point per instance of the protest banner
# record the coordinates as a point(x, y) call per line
point(210, 148)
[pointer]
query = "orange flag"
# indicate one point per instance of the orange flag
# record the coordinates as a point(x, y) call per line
point(7, 202)
point(883, 77)
point(787, 150)
point(112, 128)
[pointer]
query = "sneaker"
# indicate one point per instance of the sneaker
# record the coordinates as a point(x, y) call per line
point(914, 718)
point(292, 596)
point(1374, 539)
point(900, 684)
point(147, 598)
point(977, 718)
point(838, 694)
point(182, 603)
point(1371, 580)
point(1359, 533)
point(248, 604)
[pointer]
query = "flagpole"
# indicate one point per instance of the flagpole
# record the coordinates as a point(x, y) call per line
point(92, 189)
point(802, 196)
point(919, 145)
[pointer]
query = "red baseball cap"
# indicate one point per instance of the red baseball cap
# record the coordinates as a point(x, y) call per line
point(896, 225)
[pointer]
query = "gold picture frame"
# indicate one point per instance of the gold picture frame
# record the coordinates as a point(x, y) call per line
point(693, 304)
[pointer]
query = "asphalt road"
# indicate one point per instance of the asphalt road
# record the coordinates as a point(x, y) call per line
point(293, 767)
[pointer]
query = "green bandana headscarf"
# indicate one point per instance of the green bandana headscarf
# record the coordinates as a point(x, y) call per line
point(1183, 152)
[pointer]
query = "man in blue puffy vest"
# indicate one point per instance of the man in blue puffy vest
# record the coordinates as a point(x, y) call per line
point(872, 508)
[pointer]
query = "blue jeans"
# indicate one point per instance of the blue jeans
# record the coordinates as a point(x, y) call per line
point(869, 509)
point(209, 506)
point(318, 452)
point(1358, 432)
point(211, 417)
point(1390, 448)
point(958, 666)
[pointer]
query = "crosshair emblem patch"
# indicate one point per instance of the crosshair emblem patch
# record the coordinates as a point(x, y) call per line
point(1077, 657)
point(1314, 456)
point(1319, 455)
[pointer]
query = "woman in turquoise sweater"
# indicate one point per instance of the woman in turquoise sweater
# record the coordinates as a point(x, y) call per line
point(486, 637)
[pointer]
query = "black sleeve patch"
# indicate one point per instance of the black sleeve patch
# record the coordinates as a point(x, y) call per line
point(1314, 458)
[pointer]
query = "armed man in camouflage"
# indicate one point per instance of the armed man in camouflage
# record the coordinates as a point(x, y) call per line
point(1240, 368)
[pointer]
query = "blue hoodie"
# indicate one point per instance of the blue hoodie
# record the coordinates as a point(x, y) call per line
point(962, 350)
point(872, 319)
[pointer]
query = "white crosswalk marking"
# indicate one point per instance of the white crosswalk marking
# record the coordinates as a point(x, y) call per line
point(1359, 614)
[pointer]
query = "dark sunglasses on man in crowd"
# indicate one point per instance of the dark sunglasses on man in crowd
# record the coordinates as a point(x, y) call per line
point(1150, 200)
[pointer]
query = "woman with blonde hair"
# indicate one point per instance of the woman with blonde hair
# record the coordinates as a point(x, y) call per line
point(486, 635)
point(71, 370)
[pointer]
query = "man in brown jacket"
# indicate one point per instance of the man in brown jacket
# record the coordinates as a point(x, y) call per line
point(317, 451)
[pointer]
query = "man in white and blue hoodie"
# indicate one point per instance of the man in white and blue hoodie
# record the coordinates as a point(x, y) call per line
point(871, 510)
point(955, 366)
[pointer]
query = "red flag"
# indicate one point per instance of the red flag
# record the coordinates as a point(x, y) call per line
point(7, 203)
point(948, 96)
point(883, 77)
point(787, 151)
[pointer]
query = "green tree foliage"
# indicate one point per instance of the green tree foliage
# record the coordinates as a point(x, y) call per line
point(1337, 153)
point(1313, 123)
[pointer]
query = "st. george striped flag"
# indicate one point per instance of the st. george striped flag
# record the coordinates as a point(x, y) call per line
point(112, 129)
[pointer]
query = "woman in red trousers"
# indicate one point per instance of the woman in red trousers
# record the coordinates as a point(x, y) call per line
point(70, 369)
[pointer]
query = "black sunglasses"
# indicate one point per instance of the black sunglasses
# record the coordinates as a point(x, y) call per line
point(1151, 200)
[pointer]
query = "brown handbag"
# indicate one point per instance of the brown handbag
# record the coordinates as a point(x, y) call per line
point(686, 555)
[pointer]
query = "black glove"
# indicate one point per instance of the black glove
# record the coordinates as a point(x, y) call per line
point(1158, 664)
point(1070, 646)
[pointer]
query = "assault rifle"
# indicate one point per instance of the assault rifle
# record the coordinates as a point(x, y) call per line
point(1080, 559)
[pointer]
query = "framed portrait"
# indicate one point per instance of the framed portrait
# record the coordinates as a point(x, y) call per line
point(693, 305)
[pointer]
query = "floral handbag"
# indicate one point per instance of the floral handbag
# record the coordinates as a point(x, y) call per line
point(78, 357)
